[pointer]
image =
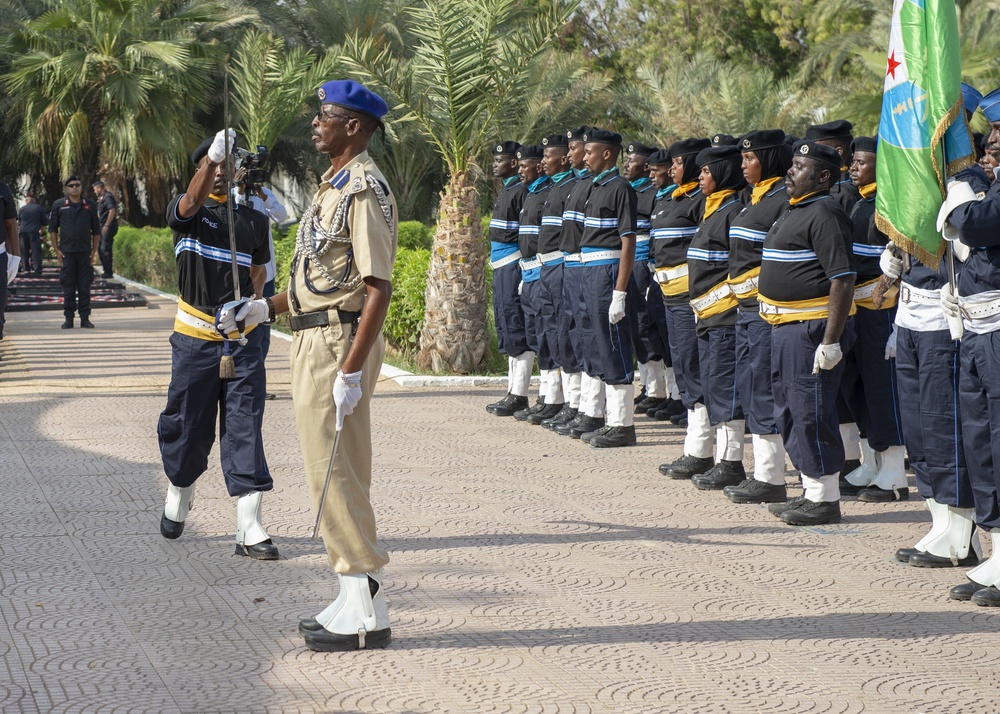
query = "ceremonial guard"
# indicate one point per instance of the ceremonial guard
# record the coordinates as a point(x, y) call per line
point(838, 135)
point(607, 251)
point(215, 375)
point(714, 305)
point(673, 228)
point(529, 168)
point(766, 160)
point(806, 293)
point(504, 256)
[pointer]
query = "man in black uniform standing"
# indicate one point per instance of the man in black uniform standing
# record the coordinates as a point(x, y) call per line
point(30, 220)
point(107, 215)
point(838, 135)
point(74, 232)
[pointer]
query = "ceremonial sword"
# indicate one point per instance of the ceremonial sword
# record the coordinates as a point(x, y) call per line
point(237, 303)
point(326, 483)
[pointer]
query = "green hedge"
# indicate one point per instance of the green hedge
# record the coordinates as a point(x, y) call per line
point(414, 235)
point(146, 255)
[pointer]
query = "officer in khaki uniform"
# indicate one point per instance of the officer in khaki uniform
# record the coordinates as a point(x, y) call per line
point(338, 296)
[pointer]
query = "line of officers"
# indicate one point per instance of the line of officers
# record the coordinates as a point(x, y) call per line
point(740, 275)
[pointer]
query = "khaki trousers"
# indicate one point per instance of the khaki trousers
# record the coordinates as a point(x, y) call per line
point(348, 522)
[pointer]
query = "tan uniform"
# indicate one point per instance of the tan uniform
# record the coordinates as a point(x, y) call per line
point(348, 522)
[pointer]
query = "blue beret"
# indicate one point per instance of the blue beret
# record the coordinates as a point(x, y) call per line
point(660, 157)
point(971, 98)
point(990, 105)
point(558, 140)
point(818, 152)
point(688, 147)
point(865, 143)
point(534, 151)
point(602, 136)
point(840, 129)
point(506, 147)
point(761, 139)
point(641, 149)
point(349, 94)
point(723, 140)
point(577, 134)
point(714, 154)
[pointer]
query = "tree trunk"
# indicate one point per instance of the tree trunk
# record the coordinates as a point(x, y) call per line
point(454, 336)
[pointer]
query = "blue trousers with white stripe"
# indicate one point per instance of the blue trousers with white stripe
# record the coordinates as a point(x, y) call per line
point(507, 313)
point(928, 367)
point(805, 404)
point(753, 371)
point(869, 383)
point(608, 355)
point(646, 340)
point(549, 312)
point(717, 357)
point(531, 294)
point(979, 397)
point(684, 353)
point(571, 335)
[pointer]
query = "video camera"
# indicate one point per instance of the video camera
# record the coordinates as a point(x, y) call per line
point(254, 163)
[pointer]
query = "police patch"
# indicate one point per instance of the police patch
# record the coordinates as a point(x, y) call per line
point(631, 148)
point(499, 148)
point(804, 149)
point(746, 143)
point(356, 186)
point(545, 141)
point(715, 140)
point(321, 94)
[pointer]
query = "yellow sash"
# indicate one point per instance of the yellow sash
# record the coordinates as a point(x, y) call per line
point(812, 309)
point(727, 302)
point(684, 189)
point(199, 325)
point(752, 273)
point(714, 201)
point(890, 299)
point(762, 188)
point(868, 189)
point(677, 286)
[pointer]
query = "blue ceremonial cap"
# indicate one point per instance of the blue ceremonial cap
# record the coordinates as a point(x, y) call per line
point(990, 104)
point(349, 94)
point(971, 98)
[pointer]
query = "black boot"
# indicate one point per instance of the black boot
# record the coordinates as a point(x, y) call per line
point(812, 513)
point(492, 408)
point(922, 559)
point(987, 597)
point(642, 408)
point(639, 397)
point(966, 590)
point(523, 414)
point(565, 415)
point(903, 555)
point(687, 467)
point(548, 412)
point(265, 550)
point(669, 408)
point(85, 322)
point(754, 491)
point(585, 425)
point(874, 494)
point(725, 473)
point(614, 437)
point(846, 487)
point(586, 437)
point(567, 428)
point(514, 405)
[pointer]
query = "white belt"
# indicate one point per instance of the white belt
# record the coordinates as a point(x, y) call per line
point(573, 258)
point(189, 319)
point(506, 260)
point(546, 258)
point(910, 294)
point(642, 239)
point(665, 276)
point(530, 264)
point(865, 291)
point(981, 312)
point(600, 255)
point(767, 308)
point(920, 310)
point(713, 296)
point(744, 288)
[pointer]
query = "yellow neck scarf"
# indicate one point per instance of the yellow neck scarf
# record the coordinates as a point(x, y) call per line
point(218, 198)
point(800, 199)
point(684, 189)
point(762, 188)
point(868, 189)
point(714, 201)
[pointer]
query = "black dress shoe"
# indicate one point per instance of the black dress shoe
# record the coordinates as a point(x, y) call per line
point(966, 590)
point(874, 494)
point(922, 559)
point(565, 415)
point(987, 597)
point(669, 408)
point(523, 414)
point(68, 324)
point(903, 555)
point(812, 513)
point(846, 487)
point(265, 550)
point(515, 404)
point(492, 407)
point(85, 322)
point(654, 403)
point(584, 426)
point(170, 529)
point(309, 624)
point(639, 397)
point(615, 437)
point(680, 419)
point(325, 641)
point(548, 412)
point(754, 491)
point(566, 428)
point(725, 473)
point(776, 509)
point(687, 467)
point(586, 437)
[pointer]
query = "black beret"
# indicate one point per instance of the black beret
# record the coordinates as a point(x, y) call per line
point(577, 134)
point(533, 151)
point(791, 140)
point(723, 140)
point(840, 129)
point(508, 148)
point(660, 157)
point(717, 153)
point(818, 152)
point(762, 139)
point(555, 140)
point(202, 149)
point(641, 149)
point(72, 178)
point(602, 136)
point(984, 141)
point(688, 146)
point(865, 143)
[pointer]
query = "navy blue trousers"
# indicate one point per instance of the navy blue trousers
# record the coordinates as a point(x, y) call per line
point(530, 302)
point(805, 404)
point(717, 361)
point(683, 342)
point(550, 314)
point(571, 336)
point(197, 396)
point(76, 276)
point(927, 372)
point(646, 340)
point(3, 289)
point(507, 314)
point(753, 371)
point(979, 397)
point(608, 353)
point(869, 382)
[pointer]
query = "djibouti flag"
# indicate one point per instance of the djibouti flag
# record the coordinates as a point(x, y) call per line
point(923, 135)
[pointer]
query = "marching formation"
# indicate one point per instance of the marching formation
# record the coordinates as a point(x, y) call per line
point(747, 283)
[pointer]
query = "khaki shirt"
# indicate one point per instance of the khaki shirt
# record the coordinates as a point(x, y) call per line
point(373, 240)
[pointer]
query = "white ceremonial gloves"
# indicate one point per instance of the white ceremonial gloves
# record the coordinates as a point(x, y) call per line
point(520, 287)
point(959, 192)
point(827, 357)
point(346, 395)
point(949, 303)
point(617, 309)
point(217, 151)
point(890, 263)
point(250, 312)
point(890, 345)
point(13, 261)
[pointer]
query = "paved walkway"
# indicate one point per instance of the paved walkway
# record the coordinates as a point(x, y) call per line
point(530, 573)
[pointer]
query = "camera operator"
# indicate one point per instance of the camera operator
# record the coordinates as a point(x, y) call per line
point(262, 199)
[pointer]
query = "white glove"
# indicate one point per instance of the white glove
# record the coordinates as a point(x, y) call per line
point(346, 395)
point(962, 251)
point(890, 345)
point(250, 312)
point(959, 192)
point(827, 357)
point(891, 265)
point(520, 286)
point(12, 262)
point(217, 151)
point(617, 309)
point(952, 312)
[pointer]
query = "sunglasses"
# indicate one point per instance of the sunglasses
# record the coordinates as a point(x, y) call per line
point(72, 185)
point(330, 116)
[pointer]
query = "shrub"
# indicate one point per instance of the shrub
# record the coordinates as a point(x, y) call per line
point(284, 249)
point(146, 255)
point(406, 309)
point(414, 235)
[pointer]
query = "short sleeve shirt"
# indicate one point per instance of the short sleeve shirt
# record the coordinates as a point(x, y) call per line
point(573, 213)
point(370, 251)
point(530, 220)
point(504, 221)
point(610, 212)
point(31, 218)
point(552, 214)
point(868, 241)
point(845, 192)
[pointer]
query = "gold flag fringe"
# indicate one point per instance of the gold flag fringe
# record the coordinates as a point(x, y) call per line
point(908, 245)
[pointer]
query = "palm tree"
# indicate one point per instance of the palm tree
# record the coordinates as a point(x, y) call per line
point(469, 60)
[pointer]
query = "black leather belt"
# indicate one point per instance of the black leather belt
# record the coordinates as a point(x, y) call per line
point(321, 318)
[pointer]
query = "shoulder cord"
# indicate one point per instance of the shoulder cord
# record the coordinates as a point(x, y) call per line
point(309, 225)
